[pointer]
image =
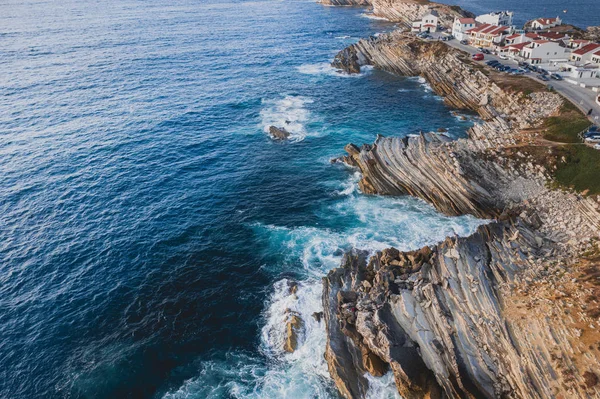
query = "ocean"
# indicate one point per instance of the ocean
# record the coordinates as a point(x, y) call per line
point(150, 226)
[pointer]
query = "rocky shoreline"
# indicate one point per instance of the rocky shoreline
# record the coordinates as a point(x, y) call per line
point(508, 312)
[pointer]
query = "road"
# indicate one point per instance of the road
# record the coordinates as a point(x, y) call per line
point(584, 98)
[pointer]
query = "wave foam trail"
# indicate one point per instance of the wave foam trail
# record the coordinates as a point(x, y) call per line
point(372, 16)
point(325, 69)
point(290, 113)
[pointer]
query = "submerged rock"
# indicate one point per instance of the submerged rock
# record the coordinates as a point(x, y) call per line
point(279, 133)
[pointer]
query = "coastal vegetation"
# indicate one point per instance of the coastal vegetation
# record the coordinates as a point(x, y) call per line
point(579, 168)
point(567, 125)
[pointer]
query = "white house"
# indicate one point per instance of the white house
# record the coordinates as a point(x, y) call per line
point(519, 38)
point(496, 18)
point(585, 53)
point(596, 57)
point(545, 23)
point(579, 72)
point(428, 23)
point(543, 51)
point(487, 35)
point(461, 26)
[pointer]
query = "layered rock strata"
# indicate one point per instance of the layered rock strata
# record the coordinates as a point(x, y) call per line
point(443, 319)
point(504, 313)
point(406, 11)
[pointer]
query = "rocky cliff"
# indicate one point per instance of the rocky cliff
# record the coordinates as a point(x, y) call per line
point(509, 312)
point(406, 11)
point(345, 2)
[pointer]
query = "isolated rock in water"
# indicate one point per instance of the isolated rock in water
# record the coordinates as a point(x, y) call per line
point(317, 316)
point(279, 133)
point(293, 328)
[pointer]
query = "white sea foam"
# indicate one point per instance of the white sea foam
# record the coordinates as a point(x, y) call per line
point(290, 113)
point(371, 16)
point(354, 220)
point(423, 82)
point(325, 69)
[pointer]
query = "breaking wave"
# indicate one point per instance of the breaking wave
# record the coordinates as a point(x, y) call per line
point(325, 69)
point(290, 113)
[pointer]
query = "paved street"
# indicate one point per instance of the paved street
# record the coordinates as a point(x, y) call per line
point(582, 97)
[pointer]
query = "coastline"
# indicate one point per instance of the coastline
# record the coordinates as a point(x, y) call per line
point(506, 312)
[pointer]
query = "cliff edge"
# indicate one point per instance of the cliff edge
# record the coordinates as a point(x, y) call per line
point(509, 312)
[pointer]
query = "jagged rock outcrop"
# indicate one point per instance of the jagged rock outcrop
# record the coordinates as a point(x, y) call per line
point(449, 176)
point(592, 33)
point(346, 2)
point(443, 319)
point(406, 11)
point(279, 133)
point(293, 328)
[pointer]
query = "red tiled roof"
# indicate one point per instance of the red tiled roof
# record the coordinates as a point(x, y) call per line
point(516, 47)
point(586, 49)
point(552, 35)
point(541, 41)
point(465, 21)
point(546, 21)
point(532, 35)
point(513, 36)
point(597, 53)
point(488, 29)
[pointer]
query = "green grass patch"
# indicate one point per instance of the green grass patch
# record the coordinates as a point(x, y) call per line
point(565, 127)
point(580, 170)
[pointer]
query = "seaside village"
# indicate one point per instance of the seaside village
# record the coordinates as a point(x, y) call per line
point(545, 48)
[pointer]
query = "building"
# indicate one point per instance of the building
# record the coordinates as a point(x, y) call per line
point(496, 18)
point(512, 50)
point(596, 57)
point(585, 53)
point(545, 23)
point(428, 23)
point(577, 43)
point(461, 26)
point(579, 72)
point(544, 51)
point(554, 36)
point(518, 38)
point(487, 35)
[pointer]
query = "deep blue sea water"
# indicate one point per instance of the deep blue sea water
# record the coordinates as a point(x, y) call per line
point(581, 13)
point(149, 226)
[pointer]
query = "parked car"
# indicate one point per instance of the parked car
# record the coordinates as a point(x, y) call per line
point(593, 139)
point(465, 42)
point(478, 57)
point(514, 71)
point(597, 147)
point(503, 57)
point(532, 68)
point(492, 63)
point(542, 71)
point(556, 76)
point(544, 78)
point(486, 51)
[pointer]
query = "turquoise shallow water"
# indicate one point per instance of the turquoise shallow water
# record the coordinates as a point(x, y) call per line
point(149, 225)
